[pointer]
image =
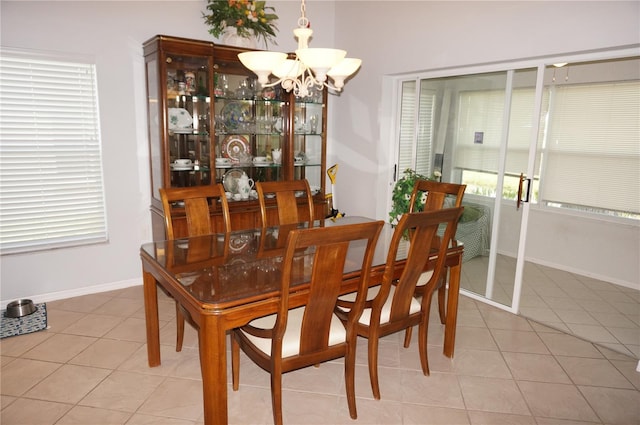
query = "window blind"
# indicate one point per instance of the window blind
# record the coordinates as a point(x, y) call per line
point(416, 129)
point(51, 183)
point(593, 146)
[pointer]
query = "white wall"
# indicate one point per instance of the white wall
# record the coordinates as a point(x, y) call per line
point(389, 36)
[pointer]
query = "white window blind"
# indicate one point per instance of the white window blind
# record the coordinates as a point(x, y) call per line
point(593, 146)
point(482, 111)
point(416, 129)
point(51, 184)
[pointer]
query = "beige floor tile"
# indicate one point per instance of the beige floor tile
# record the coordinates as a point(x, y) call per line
point(130, 329)
point(121, 307)
point(58, 320)
point(125, 391)
point(93, 325)
point(26, 411)
point(22, 374)
point(260, 400)
point(106, 353)
point(175, 398)
point(68, 384)
point(492, 395)
point(370, 412)
point(139, 419)
point(491, 418)
point(518, 341)
point(594, 333)
point(535, 367)
point(6, 400)
point(81, 415)
point(389, 379)
point(556, 401)
point(413, 414)
point(312, 408)
point(139, 361)
point(600, 372)
point(328, 378)
point(489, 364)
point(567, 345)
point(498, 319)
point(83, 304)
point(18, 345)
point(614, 406)
point(60, 348)
point(628, 369)
point(474, 339)
point(554, 421)
point(437, 389)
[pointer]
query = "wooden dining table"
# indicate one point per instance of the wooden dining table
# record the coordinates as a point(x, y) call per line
point(223, 281)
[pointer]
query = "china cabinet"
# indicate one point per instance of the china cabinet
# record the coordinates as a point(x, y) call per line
point(211, 122)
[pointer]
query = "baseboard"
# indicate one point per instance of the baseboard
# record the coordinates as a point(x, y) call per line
point(76, 292)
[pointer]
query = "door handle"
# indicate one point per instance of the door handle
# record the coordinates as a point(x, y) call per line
point(528, 192)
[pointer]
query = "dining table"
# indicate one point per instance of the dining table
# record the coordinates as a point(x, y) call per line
point(225, 280)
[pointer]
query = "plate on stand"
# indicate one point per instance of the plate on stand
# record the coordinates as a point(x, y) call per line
point(230, 180)
point(236, 114)
point(236, 148)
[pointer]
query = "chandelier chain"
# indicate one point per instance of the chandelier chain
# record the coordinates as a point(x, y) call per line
point(303, 22)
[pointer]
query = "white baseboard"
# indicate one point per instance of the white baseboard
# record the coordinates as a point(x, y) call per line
point(53, 296)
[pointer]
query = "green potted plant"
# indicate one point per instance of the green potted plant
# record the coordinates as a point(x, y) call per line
point(247, 18)
point(402, 194)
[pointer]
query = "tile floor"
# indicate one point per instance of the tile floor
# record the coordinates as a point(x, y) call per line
point(592, 309)
point(90, 367)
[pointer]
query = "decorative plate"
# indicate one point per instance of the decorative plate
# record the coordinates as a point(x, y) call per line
point(180, 119)
point(230, 180)
point(236, 148)
point(234, 114)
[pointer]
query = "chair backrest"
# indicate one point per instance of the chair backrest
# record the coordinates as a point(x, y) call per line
point(436, 193)
point(328, 247)
point(286, 193)
point(424, 246)
point(199, 202)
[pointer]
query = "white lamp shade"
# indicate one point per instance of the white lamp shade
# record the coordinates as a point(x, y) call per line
point(345, 68)
point(288, 69)
point(262, 63)
point(320, 60)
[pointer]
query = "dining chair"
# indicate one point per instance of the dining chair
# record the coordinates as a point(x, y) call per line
point(392, 306)
point(287, 194)
point(429, 195)
point(194, 205)
point(305, 331)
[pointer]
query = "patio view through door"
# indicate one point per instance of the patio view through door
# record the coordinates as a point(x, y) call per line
point(477, 130)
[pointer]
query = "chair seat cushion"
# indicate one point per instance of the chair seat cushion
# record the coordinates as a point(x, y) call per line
point(365, 318)
point(291, 340)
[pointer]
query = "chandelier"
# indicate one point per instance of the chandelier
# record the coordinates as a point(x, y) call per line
point(312, 67)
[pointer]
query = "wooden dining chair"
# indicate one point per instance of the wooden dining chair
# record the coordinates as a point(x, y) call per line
point(428, 195)
point(293, 202)
point(193, 205)
point(306, 331)
point(391, 306)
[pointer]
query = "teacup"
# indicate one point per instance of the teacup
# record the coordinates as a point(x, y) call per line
point(260, 160)
point(182, 162)
point(223, 161)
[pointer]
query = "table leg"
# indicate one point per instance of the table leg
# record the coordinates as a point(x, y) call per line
point(212, 340)
point(452, 309)
point(151, 316)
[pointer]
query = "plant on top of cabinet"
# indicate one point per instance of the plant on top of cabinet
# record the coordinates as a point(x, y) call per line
point(249, 18)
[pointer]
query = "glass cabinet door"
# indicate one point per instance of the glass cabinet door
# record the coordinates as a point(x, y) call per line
point(308, 147)
point(188, 120)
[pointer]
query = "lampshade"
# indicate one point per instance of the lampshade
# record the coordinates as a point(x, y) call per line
point(343, 70)
point(262, 63)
